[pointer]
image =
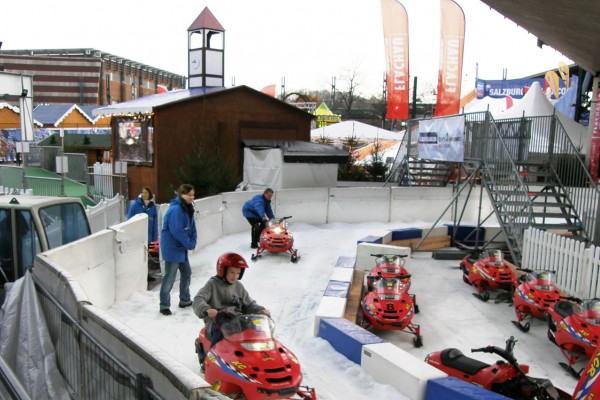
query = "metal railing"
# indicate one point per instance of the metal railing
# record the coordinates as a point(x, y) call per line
point(44, 186)
point(10, 387)
point(545, 141)
point(89, 369)
point(510, 197)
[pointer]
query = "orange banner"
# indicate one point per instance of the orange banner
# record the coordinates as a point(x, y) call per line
point(395, 36)
point(452, 43)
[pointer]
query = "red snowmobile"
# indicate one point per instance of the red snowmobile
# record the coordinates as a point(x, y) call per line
point(506, 377)
point(392, 266)
point(488, 271)
point(276, 238)
point(534, 295)
point(249, 363)
point(389, 306)
point(574, 326)
point(588, 386)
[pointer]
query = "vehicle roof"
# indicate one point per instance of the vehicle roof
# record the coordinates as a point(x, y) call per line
point(40, 201)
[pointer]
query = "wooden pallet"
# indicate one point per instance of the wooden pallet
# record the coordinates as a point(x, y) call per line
point(355, 296)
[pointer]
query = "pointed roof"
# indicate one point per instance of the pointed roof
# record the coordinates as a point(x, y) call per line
point(206, 20)
point(323, 110)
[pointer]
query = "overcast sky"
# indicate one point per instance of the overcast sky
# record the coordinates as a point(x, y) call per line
point(307, 41)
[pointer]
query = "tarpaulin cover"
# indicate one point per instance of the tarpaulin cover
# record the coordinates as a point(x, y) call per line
point(25, 343)
point(299, 151)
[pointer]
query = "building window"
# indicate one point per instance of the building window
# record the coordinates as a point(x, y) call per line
point(134, 141)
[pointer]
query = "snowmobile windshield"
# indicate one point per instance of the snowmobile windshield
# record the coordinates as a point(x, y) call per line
point(277, 225)
point(591, 309)
point(390, 286)
point(544, 280)
point(390, 264)
point(248, 327)
point(494, 258)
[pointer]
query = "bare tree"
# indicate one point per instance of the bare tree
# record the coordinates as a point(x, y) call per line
point(349, 96)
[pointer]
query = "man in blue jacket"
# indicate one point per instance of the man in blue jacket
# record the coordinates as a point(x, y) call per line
point(258, 212)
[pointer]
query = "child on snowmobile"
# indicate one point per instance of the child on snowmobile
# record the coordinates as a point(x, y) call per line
point(224, 292)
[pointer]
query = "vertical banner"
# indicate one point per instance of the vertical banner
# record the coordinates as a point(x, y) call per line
point(442, 139)
point(452, 28)
point(395, 36)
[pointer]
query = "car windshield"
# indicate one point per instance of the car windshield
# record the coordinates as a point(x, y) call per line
point(247, 327)
point(591, 309)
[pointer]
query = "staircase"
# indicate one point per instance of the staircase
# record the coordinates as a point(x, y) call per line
point(419, 172)
point(532, 173)
point(525, 179)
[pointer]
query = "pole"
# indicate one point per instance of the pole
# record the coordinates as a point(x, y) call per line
point(413, 113)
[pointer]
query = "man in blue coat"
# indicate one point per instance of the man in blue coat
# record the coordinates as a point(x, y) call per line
point(258, 212)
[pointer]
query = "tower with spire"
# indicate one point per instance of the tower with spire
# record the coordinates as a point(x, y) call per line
point(206, 52)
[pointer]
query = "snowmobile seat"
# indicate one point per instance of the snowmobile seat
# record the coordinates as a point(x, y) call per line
point(454, 358)
point(565, 308)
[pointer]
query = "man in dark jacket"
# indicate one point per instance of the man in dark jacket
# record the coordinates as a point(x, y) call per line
point(258, 212)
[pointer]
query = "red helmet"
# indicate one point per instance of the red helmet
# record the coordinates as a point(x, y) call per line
point(230, 260)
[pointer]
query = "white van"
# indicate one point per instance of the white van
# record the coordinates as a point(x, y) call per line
point(33, 224)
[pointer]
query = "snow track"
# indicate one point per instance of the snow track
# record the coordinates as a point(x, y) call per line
point(450, 316)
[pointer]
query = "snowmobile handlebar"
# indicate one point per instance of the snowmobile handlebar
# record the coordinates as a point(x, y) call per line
point(395, 255)
point(506, 353)
point(571, 298)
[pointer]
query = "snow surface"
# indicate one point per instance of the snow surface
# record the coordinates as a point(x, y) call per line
point(449, 315)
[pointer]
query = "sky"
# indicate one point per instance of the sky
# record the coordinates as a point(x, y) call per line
point(305, 43)
point(449, 315)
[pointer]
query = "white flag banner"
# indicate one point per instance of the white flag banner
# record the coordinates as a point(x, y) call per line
point(442, 139)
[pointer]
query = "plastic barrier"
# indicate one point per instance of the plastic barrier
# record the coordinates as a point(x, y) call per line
point(407, 233)
point(391, 365)
point(347, 338)
point(451, 388)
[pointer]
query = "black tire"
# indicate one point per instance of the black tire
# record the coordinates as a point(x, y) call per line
point(416, 309)
point(294, 259)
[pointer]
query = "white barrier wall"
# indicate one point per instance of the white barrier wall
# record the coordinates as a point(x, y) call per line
point(305, 205)
point(109, 265)
point(209, 217)
point(419, 203)
point(233, 220)
point(373, 205)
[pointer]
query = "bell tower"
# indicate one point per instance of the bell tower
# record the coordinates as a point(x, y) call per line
point(206, 52)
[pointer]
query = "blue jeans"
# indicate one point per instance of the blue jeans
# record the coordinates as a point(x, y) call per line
point(169, 280)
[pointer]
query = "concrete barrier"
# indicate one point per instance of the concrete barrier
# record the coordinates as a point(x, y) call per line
point(347, 338)
point(451, 388)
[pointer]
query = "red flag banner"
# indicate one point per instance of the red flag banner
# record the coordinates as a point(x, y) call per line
point(451, 57)
point(395, 36)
